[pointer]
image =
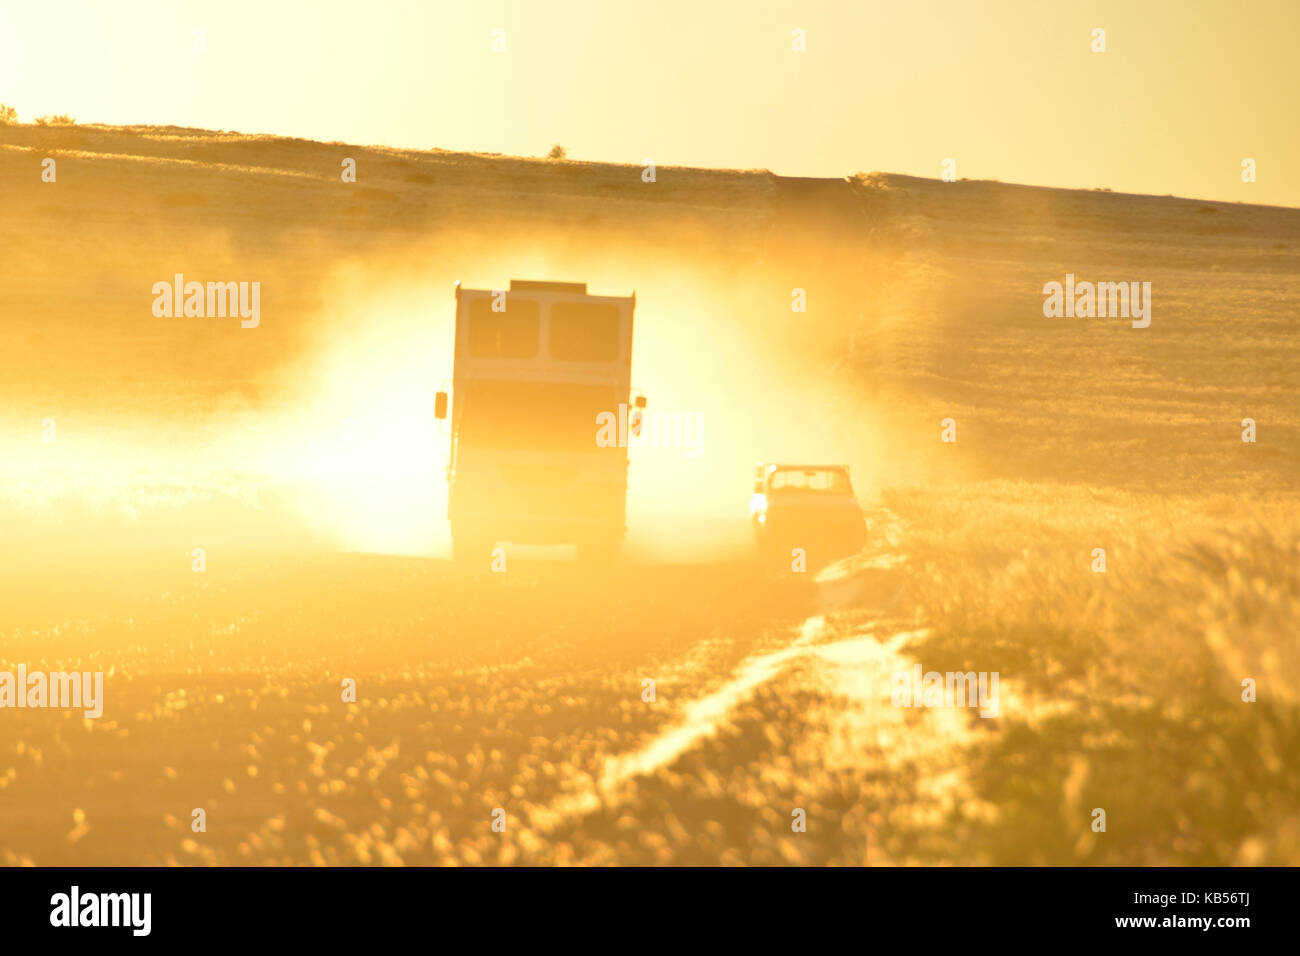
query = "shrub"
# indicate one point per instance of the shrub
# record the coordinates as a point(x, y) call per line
point(7, 114)
point(557, 152)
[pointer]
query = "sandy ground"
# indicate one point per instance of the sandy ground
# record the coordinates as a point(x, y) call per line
point(301, 456)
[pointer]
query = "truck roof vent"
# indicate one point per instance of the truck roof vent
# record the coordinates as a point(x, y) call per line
point(529, 285)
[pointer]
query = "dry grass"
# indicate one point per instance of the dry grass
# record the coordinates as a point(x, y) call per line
point(1126, 686)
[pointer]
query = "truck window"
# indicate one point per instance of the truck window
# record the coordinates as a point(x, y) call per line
point(509, 334)
point(811, 480)
point(584, 332)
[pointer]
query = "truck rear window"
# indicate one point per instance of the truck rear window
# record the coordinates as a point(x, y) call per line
point(584, 332)
point(812, 480)
point(509, 334)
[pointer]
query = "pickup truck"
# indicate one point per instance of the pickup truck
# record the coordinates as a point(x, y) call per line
point(806, 506)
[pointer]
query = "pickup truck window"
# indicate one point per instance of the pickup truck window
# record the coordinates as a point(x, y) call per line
point(821, 479)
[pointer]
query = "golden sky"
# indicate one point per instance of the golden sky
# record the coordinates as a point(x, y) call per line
point(1009, 89)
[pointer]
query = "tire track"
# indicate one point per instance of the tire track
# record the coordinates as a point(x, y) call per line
point(703, 716)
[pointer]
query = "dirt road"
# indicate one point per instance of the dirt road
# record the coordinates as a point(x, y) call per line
point(524, 690)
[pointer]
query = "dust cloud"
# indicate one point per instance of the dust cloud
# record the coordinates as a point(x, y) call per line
point(352, 440)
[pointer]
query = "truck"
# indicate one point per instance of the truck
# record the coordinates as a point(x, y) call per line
point(812, 507)
point(537, 369)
